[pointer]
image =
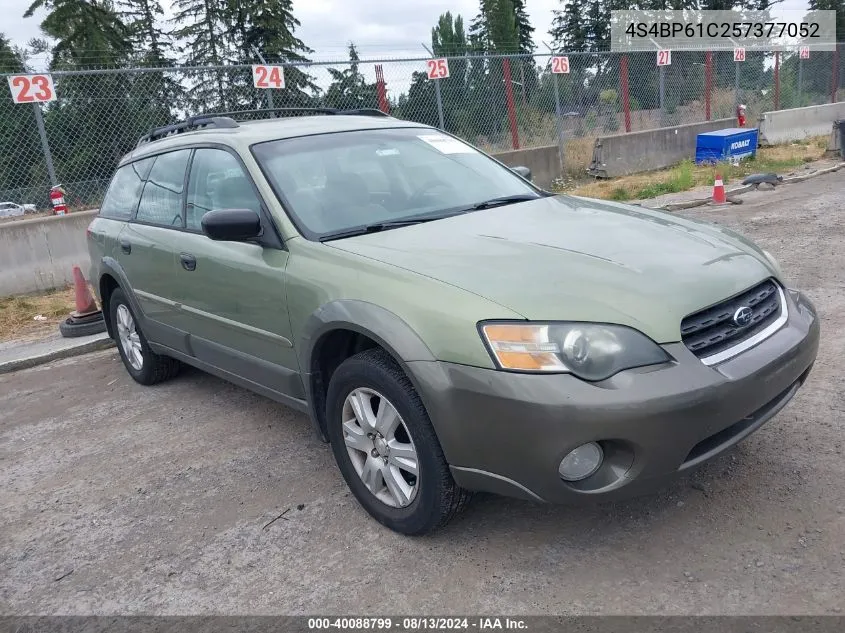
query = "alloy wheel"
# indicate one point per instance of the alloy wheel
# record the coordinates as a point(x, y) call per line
point(380, 447)
point(129, 338)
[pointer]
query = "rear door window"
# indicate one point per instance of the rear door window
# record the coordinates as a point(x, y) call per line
point(125, 188)
point(161, 201)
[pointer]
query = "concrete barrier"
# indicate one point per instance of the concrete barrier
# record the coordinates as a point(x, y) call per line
point(623, 154)
point(39, 254)
point(795, 124)
point(544, 163)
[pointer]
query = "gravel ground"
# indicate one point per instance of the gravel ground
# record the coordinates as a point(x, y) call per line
point(121, 499)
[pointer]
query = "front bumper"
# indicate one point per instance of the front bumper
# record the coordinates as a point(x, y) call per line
point(507, 432)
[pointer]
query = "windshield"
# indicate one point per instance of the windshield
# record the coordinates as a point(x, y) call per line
point(332, 183)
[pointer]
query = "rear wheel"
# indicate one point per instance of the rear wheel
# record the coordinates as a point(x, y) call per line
point(386, 448)
point(145, 366)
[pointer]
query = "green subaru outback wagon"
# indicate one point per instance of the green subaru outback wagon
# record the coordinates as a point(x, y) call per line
point(448, 326)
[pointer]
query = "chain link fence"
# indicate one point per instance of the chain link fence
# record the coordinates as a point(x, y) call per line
point(498, 103)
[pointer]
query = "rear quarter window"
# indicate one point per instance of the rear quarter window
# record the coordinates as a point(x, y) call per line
point(125, 189)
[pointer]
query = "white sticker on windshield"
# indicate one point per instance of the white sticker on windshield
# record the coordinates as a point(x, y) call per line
point(446, 144)
point(387, 152)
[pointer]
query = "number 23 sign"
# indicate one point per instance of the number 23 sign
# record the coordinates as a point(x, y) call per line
point(32, 88)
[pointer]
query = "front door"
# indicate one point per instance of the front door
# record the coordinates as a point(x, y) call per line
point(232, 294)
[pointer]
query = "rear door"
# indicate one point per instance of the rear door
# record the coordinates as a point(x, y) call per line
point(233, 293)
point(148, 246)
point(118, 206)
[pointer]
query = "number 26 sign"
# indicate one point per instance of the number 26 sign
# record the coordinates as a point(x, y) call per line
point(268, 76)
point(560, 65)
point(32, 88)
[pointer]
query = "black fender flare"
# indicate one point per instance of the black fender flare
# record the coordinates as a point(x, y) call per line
point(384, 327)
point(110, 266)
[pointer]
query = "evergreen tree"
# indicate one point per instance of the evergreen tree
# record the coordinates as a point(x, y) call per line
point(150, 42)
point(527, 69)
point(268, 26)
point(349, 88)
point(448, 39)
point(202, 38)
point(523, 28)
point(88, 32)
point(153, 94)
point(494, 29)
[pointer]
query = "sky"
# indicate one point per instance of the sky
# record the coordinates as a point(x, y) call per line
point(380, 29)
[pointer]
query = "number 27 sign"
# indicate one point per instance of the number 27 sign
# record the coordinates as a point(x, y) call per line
point(32, 88)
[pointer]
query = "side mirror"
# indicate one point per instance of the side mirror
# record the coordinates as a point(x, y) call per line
point(231, 225)
point(523, 171)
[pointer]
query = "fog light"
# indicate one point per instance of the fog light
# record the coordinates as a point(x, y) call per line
point(582, 462)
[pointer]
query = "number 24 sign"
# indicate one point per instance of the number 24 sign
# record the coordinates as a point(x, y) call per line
point(437, 68)
point(32, 88)
point(268, 76)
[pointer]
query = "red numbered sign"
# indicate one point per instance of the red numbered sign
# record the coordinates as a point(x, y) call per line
point(804, 52)
point(560, 65)
point(664, 58)
point(739, 54)
point(32, 88)
point(268, 76)
point(437, 68)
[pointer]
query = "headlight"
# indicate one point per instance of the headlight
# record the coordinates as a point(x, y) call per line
point(591, 351)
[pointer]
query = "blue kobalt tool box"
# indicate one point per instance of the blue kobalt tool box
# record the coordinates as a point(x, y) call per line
point(732, 144)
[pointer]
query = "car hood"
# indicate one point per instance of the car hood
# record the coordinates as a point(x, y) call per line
point(570, 258)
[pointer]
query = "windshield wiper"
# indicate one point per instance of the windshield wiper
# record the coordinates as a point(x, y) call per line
point(502, 201)
point(376, 227)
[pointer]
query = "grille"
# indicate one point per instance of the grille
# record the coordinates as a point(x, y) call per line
point(713, 330)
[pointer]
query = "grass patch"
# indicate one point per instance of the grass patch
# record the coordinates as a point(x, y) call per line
point(17, 313)
point(688, 175)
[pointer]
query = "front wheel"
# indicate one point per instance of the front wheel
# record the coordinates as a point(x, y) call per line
point(386, 448)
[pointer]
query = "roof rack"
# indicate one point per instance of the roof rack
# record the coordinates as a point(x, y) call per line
point(281, 112)
point(188, 125)
point(228, 119)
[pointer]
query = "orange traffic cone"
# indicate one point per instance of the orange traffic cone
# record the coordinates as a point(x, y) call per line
point(85, 303)
point(719, 195)
point(87, 319)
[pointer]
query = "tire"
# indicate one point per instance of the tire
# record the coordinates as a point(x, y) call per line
point(436, 498)
point(152, 368)
point(71, 329)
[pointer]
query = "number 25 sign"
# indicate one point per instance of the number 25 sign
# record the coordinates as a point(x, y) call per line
point(437, 68)
point(268, 76)
point(32, 88)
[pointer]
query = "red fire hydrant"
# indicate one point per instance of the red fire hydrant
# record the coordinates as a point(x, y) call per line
point(57, 198)
point(740, 115)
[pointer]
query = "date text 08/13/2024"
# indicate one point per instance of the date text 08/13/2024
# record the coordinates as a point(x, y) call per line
point(418, 623)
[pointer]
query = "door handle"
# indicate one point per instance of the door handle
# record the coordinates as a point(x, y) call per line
point(189, 262)
point(126, 246)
